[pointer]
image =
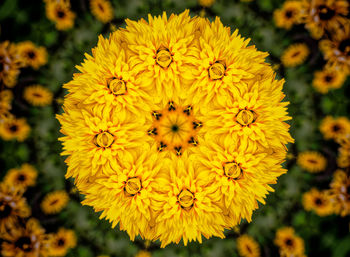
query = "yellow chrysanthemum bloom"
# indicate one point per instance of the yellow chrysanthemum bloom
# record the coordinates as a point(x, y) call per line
point(340, 192)
point(328, 79)
point(102, 10)
point(247, 246)
point(60, 13)
point(22, 177)
point(295, 55)
point(30, 240)
point(311, 161)
point(54, 202)
point(317, 201)
point(10, 62)
point(143, 254)
point(61, 242)
point(334, 128)
point(152, 133)
point(38, 95)
point(337, 49)
point(6, 97)
point(343, 159)
point(12, 206)
point(14, 129)
point(321, 16)
point(289, 243)
point(206, 3)
point(32, 55)
point(288, 15)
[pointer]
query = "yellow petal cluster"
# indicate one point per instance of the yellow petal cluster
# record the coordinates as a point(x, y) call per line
point(174, 128)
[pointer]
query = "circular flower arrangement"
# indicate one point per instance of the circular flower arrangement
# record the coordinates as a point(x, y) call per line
point(175, 128)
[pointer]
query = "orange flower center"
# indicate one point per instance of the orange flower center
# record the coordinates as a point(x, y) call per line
point(133, 186)
point(216, 71)
point(104, 139)
point(186, 199)
point(164, 57)
point(246, 117)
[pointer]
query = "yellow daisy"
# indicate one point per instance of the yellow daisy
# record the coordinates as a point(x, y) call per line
point(247, 246)
point(328, 79)
point(61, 242)
point(321, 16)
point(340, 193)
point(37, 95)
point(30, 240)
point(311, 161)
point(10, 62)
point(6, 97)
point(295, 55)
point(206, 3)
point(60, 13)
point(334, 128)
point(343, 159)
point(32, 55)
point(102, 10)
point(54, 202)
point(22, 177)
point(336, 50)
point(14, 129)
point(288, 15)
point(12, 206)
point(289, 243)
point(317, 201)
point(151, 119)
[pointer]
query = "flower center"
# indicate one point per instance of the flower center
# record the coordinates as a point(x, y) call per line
point(174, 128)
point(216, 70)
point(328, 78)
point(325, 13)
point(60, 14)
point(289, 14)
point(61, 242)
point(318, 201)
point(104, 139)
point(289, 242)
point(21, 177)
point(336, 128)
point(31, 54)
point(13, 128)
point(232, 170)
point(246, 117)
point(24, 243)
point(5, 210)
point(186, 199)
point(117, 87)
point(163, 57)
point(133, 186)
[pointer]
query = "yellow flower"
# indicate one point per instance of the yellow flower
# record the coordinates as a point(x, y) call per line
point(328, 79)
point(247, 246)
point(37, 95)
point(289, 243)
point(288, 15)
point(61, 242)
point(340, 192)
point(151, 121)
point(12, 206)
point(295, 55)
point(6, 97)
point(313, 162)
point(22, 177)
point(206, 3)
point(30, 240)
point(343, 159)
point(321, 16)
point(318, 201)
point(337, 49)
point(102, 10)
point(143, 254)
point(60, 13)
point(14, 129)
point(10, 62)
point(54, 202)
point(334, 128)
point(32, 55)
